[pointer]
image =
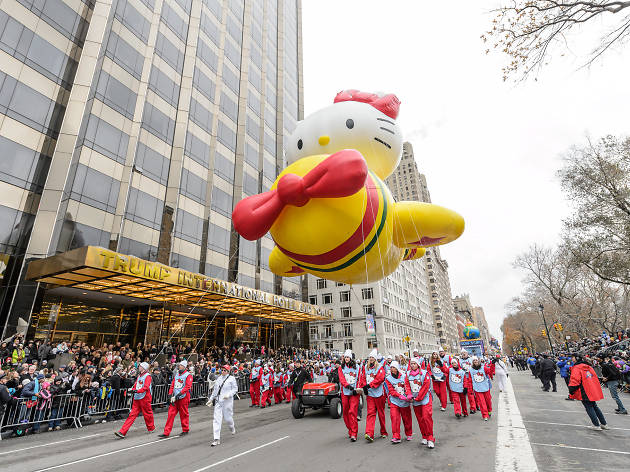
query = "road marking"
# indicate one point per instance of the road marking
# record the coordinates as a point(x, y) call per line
point(582, 448)
point(78, 461)
point(565, 411)
point(514, 452)
point(576, 425)
point(52, 443)
point(240, 454)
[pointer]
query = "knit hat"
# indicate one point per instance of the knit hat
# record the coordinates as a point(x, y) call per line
point(416, 360)
point(144, 365)
point(183, 363)
point(373, 354)
point(348, 353)
point(396, 365)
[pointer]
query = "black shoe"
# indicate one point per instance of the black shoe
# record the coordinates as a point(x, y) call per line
point(554, 390)
point(162, 435)
point(619, 412)
point(119, 435)
point(183, 433)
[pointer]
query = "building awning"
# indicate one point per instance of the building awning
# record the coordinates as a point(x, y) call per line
point(102, 270)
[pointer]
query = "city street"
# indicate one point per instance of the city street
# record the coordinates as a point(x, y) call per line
point(272, 440)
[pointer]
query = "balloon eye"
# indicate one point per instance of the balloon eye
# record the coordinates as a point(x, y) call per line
point(350, 123)
point(299, 144)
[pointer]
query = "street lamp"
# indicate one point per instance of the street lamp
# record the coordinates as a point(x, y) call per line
point(542, 313)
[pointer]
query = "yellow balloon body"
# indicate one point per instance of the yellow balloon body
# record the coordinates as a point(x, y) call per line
point(347, 239)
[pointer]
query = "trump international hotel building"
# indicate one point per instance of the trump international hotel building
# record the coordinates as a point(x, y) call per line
point(128, 131)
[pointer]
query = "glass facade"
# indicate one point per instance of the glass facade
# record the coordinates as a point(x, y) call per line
point(142, 141)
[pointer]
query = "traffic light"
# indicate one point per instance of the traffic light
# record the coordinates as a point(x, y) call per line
point(544, 333)
point(560, 328)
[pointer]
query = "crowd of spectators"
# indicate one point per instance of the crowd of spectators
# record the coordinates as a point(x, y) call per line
point(42, 373)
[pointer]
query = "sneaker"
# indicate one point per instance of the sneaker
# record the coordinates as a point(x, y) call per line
point(604, 426)
point(442, 409)
point(162, 435)
point(423, 442)
point(369, 438)
point(183, 433)
point(216, 442)
point(618, 412)
point(430, 444)
point(409, 438)
point(353, 439)
point(489, 413)
point(395, 441)
point(485, 419)
point(472, 412)
point(595, 428)
point(233, 429)
point(120, 435)
point(383, 436)
point(57, 428)
point(152, 431)
point(458, 416)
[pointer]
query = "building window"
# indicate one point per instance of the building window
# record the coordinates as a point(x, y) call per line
point(328, 331)
point(347, 345)
point(328, 345)
point(368, 310)
point(327, 298)
point(312, 299)
point(346, 312)
point(321, 283)
point(367, 293)
point(344, 296)
point(314, 331)
point(347, 329)
point(340, 284)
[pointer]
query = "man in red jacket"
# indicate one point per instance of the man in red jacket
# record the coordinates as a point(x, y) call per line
point(141, 392)
point(584, 385)
point(179, 399)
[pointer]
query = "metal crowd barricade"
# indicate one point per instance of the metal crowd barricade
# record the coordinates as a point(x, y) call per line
point(31, 414)
point(243, 385)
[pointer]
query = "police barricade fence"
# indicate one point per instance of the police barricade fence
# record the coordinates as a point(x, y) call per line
point(31, 414)
point(94, 405)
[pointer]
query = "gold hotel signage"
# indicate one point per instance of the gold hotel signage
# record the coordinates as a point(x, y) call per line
point(93, 261)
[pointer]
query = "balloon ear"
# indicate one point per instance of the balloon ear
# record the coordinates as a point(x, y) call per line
point(387, 104)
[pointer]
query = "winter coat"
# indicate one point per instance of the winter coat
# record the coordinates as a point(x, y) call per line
point(584, 384)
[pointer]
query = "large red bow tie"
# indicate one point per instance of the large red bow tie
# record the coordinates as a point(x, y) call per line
point(339, 175)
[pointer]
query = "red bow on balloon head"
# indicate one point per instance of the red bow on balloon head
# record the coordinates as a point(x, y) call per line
point(339, 175)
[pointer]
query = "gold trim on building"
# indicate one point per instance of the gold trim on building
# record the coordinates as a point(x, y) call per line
point(101, 270)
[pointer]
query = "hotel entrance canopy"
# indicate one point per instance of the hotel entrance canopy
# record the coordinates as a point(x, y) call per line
point(101, 270)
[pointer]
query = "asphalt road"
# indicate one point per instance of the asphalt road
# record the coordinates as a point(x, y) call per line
point(558, 429)
point(535, 439)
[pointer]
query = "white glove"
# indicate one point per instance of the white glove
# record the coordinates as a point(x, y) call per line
point(173, 399)
point(226, 396)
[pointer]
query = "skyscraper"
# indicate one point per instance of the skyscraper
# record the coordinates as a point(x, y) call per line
point(136, 125)
point(407, 183)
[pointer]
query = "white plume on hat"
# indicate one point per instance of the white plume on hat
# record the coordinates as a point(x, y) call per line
point(348, 353)
point(144, 365)
point(373, 354)
point(396, 365)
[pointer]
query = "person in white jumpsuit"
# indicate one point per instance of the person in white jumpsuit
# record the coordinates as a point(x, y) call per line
point(225, 388)
point(501, 373)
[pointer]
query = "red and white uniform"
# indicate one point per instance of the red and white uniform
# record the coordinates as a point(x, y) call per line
point(254, 384)
point(439, 374)
point(373, 378)
point(141, 403)
point(180, 388)
point(418, 387)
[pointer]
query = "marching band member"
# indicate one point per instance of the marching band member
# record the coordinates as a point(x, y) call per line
point(179, 399)
point(466, 363)
point(222, 398)
point(446, 361)
point(278, 386)
point(460, 383)
point(479, 375)
point(142, 390)
point(398, 403)
point(418, 384)
point(266, 387)
point(438, 374)
point(254, 384)
point(371, 378)
point(348, 375)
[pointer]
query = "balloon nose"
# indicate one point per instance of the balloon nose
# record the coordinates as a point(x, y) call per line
point(323, 140)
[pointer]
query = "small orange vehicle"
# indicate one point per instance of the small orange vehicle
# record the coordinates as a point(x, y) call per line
point(318, 395)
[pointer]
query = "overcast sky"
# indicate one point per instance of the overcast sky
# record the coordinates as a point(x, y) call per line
point(490, 150)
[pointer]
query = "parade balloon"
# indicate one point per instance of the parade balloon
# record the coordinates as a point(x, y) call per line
point(471, 332)
point(329, 212)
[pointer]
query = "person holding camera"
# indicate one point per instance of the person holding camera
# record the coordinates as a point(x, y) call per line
point(222, 399)
point(179, 398)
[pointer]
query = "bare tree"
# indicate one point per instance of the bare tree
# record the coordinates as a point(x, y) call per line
point(596, 179)
point(528, 30)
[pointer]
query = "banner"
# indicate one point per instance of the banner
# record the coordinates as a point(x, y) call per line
point(370, 327)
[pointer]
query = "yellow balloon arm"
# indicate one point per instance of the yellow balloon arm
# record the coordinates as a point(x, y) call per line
point(418, 224)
